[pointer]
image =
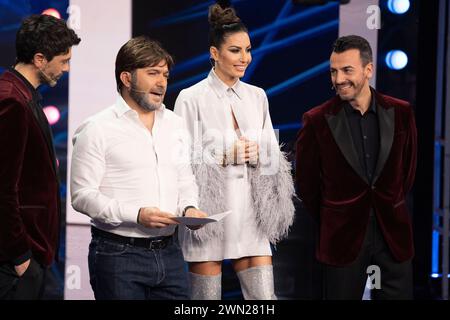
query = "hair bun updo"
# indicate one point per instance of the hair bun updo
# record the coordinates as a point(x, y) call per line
point(223, 21)
point(221, 14)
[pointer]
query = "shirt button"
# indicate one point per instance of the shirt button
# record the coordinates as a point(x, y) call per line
point(367, 156)
point(365, 137)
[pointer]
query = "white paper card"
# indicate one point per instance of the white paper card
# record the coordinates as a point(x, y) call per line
point(191, 221)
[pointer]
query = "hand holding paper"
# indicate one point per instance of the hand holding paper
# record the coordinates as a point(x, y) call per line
point(194, 213)
point(194, 221)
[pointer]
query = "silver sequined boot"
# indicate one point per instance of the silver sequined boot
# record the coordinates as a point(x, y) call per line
point(205, 287)
point(257, 283)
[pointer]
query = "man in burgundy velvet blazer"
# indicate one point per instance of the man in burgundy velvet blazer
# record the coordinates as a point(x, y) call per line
point(355, 163)
point(29, 188)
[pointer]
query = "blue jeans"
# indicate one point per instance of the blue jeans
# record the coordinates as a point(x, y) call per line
point(126, 272)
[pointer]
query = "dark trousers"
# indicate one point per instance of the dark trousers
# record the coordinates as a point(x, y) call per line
point(29, 286)
point(349, 282)
point(126, 272)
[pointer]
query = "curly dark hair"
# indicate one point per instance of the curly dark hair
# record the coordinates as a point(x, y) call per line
point(43, 34)
point(140, 52)
point(354, 42)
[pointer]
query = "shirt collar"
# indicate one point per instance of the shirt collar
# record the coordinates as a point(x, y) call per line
point(34, 92)
point(373, 104)
point(222, 89)
point(372, 107)
point(121, 107)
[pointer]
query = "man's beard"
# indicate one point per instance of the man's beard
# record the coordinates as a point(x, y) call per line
point(357, 88)
point(141, 98)
point(48, 79)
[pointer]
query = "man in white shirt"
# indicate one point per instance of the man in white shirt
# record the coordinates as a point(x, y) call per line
point(131, 174)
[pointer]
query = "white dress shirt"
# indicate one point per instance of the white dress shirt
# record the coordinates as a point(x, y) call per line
point(119, 166)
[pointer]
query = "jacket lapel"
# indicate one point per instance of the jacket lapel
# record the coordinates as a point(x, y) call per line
point(45, 129)
point(386, 121)
point(341, 132)
point(26, 90)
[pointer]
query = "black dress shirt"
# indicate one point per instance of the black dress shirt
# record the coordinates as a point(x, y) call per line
point(365, 134)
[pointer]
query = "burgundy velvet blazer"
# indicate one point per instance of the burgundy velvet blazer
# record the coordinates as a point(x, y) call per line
point(29, 193)
point(334, 189)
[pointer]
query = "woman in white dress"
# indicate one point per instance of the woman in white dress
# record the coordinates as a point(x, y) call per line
point(238, 166)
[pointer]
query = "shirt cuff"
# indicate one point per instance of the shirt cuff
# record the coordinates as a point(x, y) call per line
point(129, 213)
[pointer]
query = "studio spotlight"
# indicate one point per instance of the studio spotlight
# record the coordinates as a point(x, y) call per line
point(396, 59)
point(398, 6)
point(52, 114)
point(52, 12)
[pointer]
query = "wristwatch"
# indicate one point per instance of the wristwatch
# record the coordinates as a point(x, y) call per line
point(187, 208)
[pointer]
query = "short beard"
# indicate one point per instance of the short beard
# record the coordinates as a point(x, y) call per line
point(46, 79)
point(141, 98)
point(357, 87)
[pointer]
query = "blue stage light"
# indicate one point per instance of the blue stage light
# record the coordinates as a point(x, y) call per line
point(438, 275)
point(398, 6)
point(396, 59)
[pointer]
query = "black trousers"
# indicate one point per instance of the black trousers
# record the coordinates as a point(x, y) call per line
point(29, 286)
point(389, 279)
